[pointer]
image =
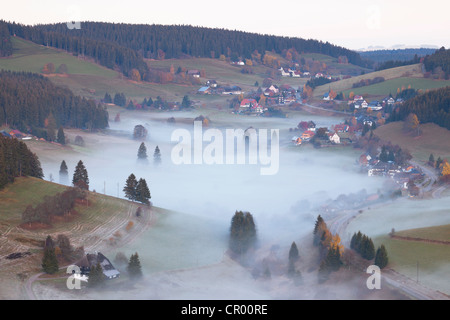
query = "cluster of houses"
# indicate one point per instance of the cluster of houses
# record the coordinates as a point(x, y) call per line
point(401, 176)
point(212, 87)
point(339, 135)
point(93, 259)
point(16, 134)
point(294, 73)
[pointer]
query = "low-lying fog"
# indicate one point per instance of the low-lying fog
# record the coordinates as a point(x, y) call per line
point(218, 190)
point(279, 203)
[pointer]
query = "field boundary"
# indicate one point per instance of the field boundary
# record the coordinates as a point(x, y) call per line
point(419, 239)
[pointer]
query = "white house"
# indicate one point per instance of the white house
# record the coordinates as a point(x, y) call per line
point(334, 137)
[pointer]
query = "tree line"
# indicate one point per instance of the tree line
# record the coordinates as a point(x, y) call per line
point(438, 62)
point(17, 160)
point(28, 101)
point(432, 106)
point(124, 46)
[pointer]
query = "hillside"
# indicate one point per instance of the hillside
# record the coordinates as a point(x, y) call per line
point(413, 71)
point(99, 226)
point(433, 139)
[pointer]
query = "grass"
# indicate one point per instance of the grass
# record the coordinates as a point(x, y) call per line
point(390, 86)
point(15, 197)
point(388, 74)
point(434, 139)
point(439, 233)
point(28, 56)
point(432, 261)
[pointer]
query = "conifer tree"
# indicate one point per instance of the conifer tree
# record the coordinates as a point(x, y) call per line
point(381, 257)
point(96, 276)
point(49, 261)
point(61, 138)
point(130, 187)
point(142, 152)
point(63, 173)
point(134, 267)
point(80, 176)
point(142, 192)
point(293, 252)
point(107, 98)
point(157, 156)
point(242, 232)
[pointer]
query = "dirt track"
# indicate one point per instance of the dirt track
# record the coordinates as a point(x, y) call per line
point(97, 239)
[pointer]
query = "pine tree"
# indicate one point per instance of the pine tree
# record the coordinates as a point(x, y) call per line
point(61, 138)
point(293, 252)
point(142, 152)
point(157, 156)
point(186, 103)
point(431, 160)
point(63, 173)
point(130, 187)
point(107, 98)
point(96, 276)
point(381, 258)
point(49, 261)
point(51, 127)
point(134, 267)
point(142, 192)
point(242, 232)
point(80, 176)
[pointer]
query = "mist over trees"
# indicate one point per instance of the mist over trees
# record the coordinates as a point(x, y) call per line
point(17, 160)
point(242, 233)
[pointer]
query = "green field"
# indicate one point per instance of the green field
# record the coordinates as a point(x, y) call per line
point(390, 86)
point(28, 56)
point(438, 233)
point(15, 197)
point(411, 71)
point(432, 261)
point(434, 139)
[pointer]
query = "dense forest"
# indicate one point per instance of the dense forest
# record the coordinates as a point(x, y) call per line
point(17, 160)
point(28, 101)
point(5, 41)
point(432, 106)
point(439, 62)
point(381, 56)
point(397, 63)
point(123, 46)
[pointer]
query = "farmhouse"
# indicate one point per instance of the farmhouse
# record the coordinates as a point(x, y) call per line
point(194, 73)
point(334, 137)
point(90, 260)
point(204, 90)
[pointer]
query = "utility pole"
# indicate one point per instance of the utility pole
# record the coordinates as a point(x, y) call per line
point(417, 276)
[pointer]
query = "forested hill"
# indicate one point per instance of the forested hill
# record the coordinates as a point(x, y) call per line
point(432, 106)
point(17, 160)
point(27, 100)
point(439, 62)
point(125, 45)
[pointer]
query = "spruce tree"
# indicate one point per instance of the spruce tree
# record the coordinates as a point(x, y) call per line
point(130, 187)
point(293, 252)
point(63, 173)
point(242, 232)
point(49, 261)
point(142, 152)
point(61, 138)
point(107, 98)
point(96, 276)
point(134, 267)
point(381, 257)
point(157, 156)
point(142, 192)
point(80, 176)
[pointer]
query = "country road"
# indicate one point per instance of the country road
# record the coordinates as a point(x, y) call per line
point(411, 288)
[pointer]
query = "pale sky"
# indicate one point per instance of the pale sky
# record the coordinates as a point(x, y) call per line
point(354, 24)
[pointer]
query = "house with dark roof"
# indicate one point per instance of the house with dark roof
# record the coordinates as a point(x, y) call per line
point(90, 260)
